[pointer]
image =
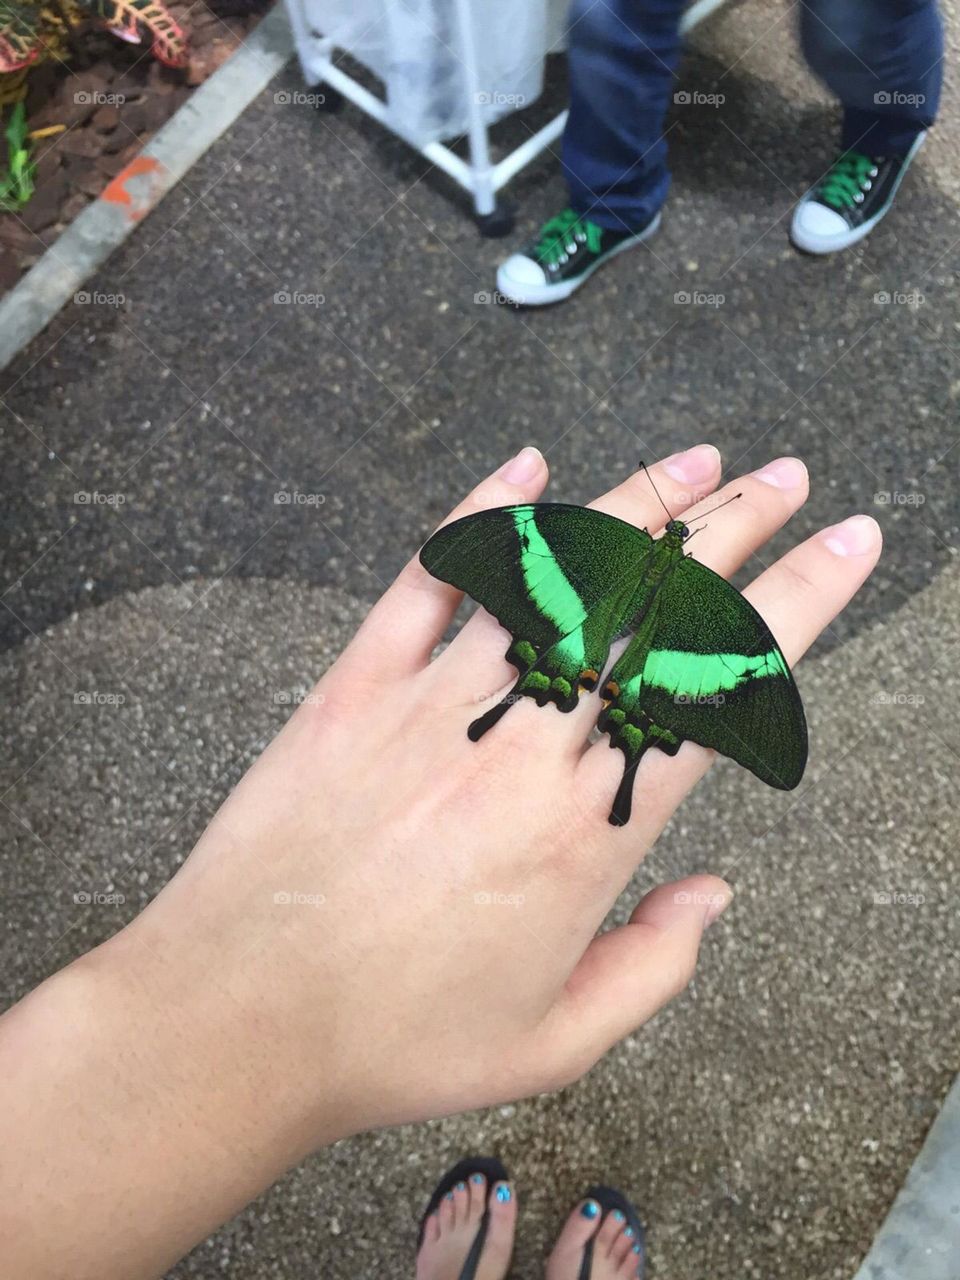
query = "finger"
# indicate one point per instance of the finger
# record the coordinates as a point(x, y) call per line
point(680, 481)
point(403, 628)
point(798, 598)
point(626, 975)
point(477, 653)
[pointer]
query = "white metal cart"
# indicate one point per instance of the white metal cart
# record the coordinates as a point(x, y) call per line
point(479, 175)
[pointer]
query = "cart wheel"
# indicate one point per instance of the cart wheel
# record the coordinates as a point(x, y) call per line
point(498, 223)
point(328, 100)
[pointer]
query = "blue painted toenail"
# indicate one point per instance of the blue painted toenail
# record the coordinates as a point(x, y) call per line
point(629, 1233)
point(504, 1194)
point(636, 1248)
point(477, 1178)
point(448, 1196)
point(590, 1209)
point(618, 1216)
point(461, 1186)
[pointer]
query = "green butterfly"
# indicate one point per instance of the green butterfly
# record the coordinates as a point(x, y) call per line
point(702, 664)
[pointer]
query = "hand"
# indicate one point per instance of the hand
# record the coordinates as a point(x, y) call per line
point(434, 944)
point(450, 960)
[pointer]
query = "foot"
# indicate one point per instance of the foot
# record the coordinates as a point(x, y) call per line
point(449, 1232)
point(849, 201)
point(617, 1254)
point(566, 252)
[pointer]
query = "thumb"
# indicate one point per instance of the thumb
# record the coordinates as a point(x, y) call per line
point(626, 975)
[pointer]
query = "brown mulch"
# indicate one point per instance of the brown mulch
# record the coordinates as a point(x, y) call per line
point(112, 97)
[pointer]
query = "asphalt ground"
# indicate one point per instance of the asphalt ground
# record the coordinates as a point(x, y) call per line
point(765, 1121)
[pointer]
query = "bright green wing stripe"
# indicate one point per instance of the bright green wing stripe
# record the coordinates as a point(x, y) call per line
point(698, 675)
point(547, 584)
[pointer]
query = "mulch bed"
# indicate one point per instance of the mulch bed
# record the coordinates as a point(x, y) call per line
point(112, 97)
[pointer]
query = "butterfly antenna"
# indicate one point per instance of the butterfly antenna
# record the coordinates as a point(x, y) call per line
point(710, 513)
point(642, 466)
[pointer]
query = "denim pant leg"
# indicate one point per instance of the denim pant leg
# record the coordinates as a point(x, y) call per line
point(884, 61)
point(622, 58)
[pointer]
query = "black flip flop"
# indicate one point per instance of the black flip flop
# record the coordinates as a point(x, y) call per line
point(493, 1171)
point(609, 1198)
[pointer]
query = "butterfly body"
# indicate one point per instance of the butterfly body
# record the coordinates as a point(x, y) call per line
point(701, 664)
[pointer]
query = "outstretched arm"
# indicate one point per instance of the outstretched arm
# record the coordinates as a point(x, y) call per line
point(384, 922)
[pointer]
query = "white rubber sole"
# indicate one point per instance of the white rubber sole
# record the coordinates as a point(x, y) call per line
point(541, 295)
point(821, 245)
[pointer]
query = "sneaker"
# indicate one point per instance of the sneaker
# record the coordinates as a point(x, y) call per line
point(568, 250)
point(849, 201)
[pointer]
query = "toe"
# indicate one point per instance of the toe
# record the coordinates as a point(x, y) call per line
point(622, 1246)
point(501, 1227)
point(478, 1196)
point(447, 1212)
point(461, 1203)
point(581, 1226)
point(611, 1231)
point(632, 1264)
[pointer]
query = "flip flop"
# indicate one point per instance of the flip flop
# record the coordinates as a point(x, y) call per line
point(609, 1198)
point(493, 1171)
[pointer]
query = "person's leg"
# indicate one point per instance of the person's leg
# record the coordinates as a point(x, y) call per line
point(883, 60)
point(622, 58)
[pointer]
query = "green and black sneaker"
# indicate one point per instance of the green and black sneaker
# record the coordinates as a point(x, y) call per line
point(849, 200)
point(567, 250)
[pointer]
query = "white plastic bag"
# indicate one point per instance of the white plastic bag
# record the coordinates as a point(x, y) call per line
point(419, 49)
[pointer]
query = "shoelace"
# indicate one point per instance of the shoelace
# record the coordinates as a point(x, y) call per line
point(850, 175)
point(560, 236)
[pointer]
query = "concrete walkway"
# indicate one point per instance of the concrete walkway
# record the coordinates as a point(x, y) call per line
point(766, 1121)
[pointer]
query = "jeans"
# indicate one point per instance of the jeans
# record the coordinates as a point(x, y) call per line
point(882, 58)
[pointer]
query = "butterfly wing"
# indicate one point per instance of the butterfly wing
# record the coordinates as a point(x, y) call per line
point(705, 666)
point(559, 578)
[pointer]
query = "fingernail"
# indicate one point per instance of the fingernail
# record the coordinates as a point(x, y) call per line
point(503, 1192)
point(590, 1208)
point(476, 1179)
point(717, 906)
point(523, 467)
point(783, 473)
point(693, 465)
point(854, 537)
